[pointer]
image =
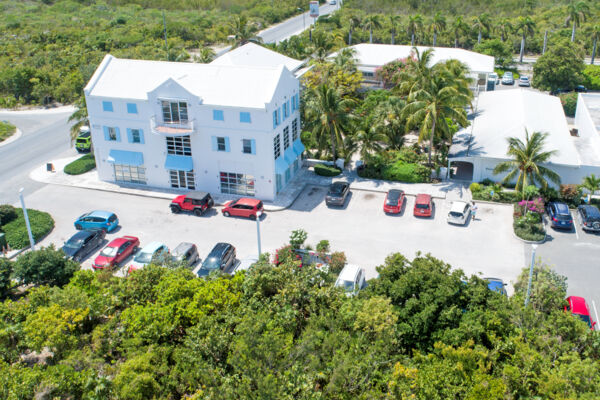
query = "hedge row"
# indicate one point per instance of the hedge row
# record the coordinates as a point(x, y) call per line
point(16, 230)
point(327, 170)
point(81, 165)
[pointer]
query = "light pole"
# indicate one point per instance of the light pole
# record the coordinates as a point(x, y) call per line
point(303, 18)
point(533, 247)
point(31, 242)
point(258, 215)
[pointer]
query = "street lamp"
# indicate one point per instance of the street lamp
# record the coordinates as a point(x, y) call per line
point(303, 18)
point(258, 215)
point(31, 242)
point(533, 247)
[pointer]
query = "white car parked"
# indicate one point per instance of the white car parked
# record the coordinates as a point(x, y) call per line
point(460, 212)
point(351, 279)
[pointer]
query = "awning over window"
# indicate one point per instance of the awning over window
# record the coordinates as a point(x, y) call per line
point(289, 155)
point(298, 147)
point(126, 157)
point(181, 163)
point(280, 166)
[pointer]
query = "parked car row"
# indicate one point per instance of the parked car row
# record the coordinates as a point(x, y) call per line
point(199, 202)
point(560, 216)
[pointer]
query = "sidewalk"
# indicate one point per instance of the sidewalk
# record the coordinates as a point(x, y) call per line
point(305, 177)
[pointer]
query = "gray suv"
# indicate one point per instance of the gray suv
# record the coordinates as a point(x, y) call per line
point(589, 217)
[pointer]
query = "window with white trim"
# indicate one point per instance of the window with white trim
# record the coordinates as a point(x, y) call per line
point(247, 146)
point(112, 133)
point(233, 183)
point(179, 145)
point(182, 179)
point(135, 136)
point(221, 146)
point(276, 146)
point(286, 137)
point(174, 112)
point(295, 129)
point(130, 173)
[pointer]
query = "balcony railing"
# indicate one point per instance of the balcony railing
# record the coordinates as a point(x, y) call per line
point(172, 129)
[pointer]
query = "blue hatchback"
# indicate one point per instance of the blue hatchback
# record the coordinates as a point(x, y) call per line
point(97, 220)
point(560, 216)
point(496, 285)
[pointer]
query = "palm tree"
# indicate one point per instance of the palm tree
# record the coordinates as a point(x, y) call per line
point(526, 165)
point(369, 139)
point(431, 109)
point(591, 183)
point(353, 23)
point(79, 116)
point(321, 46)
point(458, 27)
point(482, 23)
point(205, 55)
point(504, 27)
point(437, 24)
point(595, 36)
point(243, 31)
point(415, 23)
point(458, 76)
point(394, 22)
point(577, 12)
point(418, 73)
point(527, 28)
point(327, 117)
point(388, 120)
point(372, 21)
point(345, 59)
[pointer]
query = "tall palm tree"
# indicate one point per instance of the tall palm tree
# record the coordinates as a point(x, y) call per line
point(591, 183)
point(389, 121)
point(394, 21)
point(369, 139)
point(345, 59)
point(504, 27)
point(577, 12)
point(458, 76)
point(526, 26)
point(526, 165)
point(79, 116)
point(595, 37)
point(482, 23)
point(415, 24)
point(353, 23)
point(437, 25)
point(418, 72)
point(431, 109)
point(321, 46)
point(458, 27)
point(327, 116)
point(372, 21)
point(243, 31)
point(205, 55)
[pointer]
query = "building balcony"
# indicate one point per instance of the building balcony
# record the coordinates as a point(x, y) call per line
point(172, 129)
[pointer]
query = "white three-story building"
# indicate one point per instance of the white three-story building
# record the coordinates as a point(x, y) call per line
point(230, 129)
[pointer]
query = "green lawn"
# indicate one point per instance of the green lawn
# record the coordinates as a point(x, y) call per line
point(16, 230)
point(6, 130)
point(81, 165)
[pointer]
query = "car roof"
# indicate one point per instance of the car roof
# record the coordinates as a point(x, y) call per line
point(589, 209)
point(182, 248)
point(118, 241)
point(561, 208)
point(219, 249)
point(82, 234)
point(152, 247)
point(578, 305)
point(349, 272)
point(196, 195)
point(423, 198)
point(458, 206)
point(339, 183)
point(83, 135)
point(247, 201)
point(395, 192)
point(100, 213)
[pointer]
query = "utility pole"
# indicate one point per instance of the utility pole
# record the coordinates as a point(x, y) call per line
point(31, 242)
point(533, 247)
point(165, 31)
point(545, 41)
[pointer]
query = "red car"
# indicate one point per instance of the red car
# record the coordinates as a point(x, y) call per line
point(423, 206)
point(116, 252)
point(393, 201)
point(243, 207)
point(578, 306)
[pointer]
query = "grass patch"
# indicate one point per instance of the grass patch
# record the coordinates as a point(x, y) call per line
point(6, 130)
point(81, 165)
point(16, 230)
point(484, 192)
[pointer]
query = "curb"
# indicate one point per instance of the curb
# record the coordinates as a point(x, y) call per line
point(533, 241)
point(12, 138)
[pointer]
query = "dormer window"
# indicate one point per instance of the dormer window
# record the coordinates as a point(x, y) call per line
point(174, 112)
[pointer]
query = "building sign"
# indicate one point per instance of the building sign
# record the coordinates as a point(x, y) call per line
point(314, 9)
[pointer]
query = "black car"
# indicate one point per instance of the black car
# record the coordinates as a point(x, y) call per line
point(221, 257)
point(589, 216)
point(338, 191)
point(83, 243)
point(560, 216)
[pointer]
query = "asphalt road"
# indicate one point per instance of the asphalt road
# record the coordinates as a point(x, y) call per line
point(45, 137)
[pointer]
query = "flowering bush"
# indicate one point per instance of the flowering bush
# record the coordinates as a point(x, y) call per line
point(536, 206)
point(286, 254)
point(389, 73)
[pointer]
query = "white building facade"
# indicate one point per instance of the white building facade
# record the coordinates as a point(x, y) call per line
point(218, 128)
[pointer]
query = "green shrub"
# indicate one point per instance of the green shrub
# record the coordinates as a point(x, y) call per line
point(569, 103)
point(81, 165)
point(591, 74)
point(338, 260)
point(474, 187)
point(16, 230)
point(487, 182)
point(406, 172)
point(327, 170)
point(570, 194)
point(499, 196)
point(7, 213)
point(323, 246)
point(6, 130)
point(549, 194)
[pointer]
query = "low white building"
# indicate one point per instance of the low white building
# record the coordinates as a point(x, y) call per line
point(587, 118)
point(369, 57)
point(499, 115)
point(228, 128)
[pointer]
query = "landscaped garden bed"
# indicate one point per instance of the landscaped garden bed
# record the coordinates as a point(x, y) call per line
point(6, 130)
point(81, 165)
point(493, 192)
point(12, 224)
point(327, 170)
point(405, 165)
point(528, 221)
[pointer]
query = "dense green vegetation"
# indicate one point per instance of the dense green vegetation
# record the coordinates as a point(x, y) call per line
point(15, 229)
point(420, 330)
point(327, 170)
point(82, 165)
point(6, 130)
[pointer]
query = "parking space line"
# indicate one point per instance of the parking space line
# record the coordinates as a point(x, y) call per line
point(595, 312)
point(575, 226)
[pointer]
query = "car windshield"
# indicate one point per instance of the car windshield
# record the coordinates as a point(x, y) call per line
point(143, 257)
point(74, 243)
point(585, 318)
point(109, 251)
point(524, 78)
point(211, 263)
point(456, 214)
point(425, 206)
point(348, 286)
point(563, 217)
point(336, 189)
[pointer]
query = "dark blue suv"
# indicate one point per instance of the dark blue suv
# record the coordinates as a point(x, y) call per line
point(560, 216)
point(590, 218)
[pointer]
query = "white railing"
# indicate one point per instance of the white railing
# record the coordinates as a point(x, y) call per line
point(169, 128)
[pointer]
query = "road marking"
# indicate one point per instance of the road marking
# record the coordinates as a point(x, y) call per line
point(575, 226)
point(595, 312)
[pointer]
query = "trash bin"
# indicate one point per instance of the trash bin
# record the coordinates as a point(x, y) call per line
point(3, 244)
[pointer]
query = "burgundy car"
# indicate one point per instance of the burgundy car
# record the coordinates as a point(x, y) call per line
point(116, 252)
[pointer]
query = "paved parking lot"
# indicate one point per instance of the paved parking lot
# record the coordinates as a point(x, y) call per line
point(360, 228)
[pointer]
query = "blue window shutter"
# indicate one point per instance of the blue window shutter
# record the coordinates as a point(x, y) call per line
point(227, 144)
point(287, 108)
point(129, 136)
point(214, 143)
point(141, 136)
point(253, 146)
point(245, 117)
point(218, 115)
point(107, 106)
point(279, 115)
point(106, 135)
point(297, 101)
point(274, 119)
point(118, 134)
point(132, 108)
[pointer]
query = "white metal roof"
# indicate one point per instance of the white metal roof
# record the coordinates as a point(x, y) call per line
point(502, 114)
point(223, 85)
point(592, 103)
point(252, 54)
point(376, 55)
